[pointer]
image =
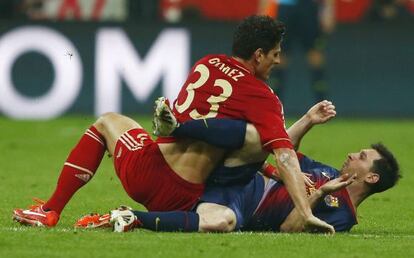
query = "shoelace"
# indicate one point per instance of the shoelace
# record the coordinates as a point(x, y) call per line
point(39, 202)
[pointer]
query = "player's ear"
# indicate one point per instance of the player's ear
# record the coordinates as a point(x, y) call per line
point(258, 55)
point(372, 178)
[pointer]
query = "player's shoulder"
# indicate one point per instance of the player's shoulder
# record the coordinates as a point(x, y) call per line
point(238, 72)
point(316, 168)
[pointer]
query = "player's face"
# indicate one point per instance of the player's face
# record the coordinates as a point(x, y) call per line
point(265, 62)
point(360, 162)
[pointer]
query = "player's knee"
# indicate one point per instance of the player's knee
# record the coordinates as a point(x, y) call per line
point(103, 120)
point(230, 220)
point(226, 222)
point(108, 116)
point(218, 221)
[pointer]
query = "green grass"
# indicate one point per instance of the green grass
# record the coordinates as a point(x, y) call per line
point(33, 152)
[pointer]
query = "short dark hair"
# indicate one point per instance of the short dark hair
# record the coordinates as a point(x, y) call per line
point(256, 32)
point(386, 167)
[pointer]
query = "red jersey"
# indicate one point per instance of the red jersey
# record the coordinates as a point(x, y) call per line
point(220, 86)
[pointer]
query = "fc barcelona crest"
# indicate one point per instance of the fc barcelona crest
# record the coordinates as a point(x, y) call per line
point(331, 201)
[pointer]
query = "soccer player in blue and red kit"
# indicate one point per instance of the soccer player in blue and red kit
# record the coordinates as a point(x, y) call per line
point(264, 203)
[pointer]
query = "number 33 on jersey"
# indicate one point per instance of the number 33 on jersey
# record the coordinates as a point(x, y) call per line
point(219, 86)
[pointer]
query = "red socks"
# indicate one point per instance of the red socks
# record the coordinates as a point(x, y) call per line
point(78, 169)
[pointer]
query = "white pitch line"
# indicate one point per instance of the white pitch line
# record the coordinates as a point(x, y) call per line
point(71, 230)
point(379, 236)
point(28, 228)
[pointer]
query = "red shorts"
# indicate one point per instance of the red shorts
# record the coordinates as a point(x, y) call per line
point(146, 176)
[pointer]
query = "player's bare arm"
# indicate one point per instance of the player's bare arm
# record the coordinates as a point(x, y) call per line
point(291, 223)
point(318, 114)
point(289, 169)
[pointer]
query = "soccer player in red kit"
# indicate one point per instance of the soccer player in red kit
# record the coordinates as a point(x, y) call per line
point(233, 87)
point(157, 174)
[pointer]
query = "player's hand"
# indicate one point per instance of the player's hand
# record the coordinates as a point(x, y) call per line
point(308, 181)
point(337, 183)
point(311, 224)
point(321, 112)
point(315, 225)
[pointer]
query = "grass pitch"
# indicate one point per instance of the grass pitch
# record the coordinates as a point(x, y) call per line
point(33, 152)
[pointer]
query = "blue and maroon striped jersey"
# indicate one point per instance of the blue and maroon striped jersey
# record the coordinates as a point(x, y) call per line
point(275, 204)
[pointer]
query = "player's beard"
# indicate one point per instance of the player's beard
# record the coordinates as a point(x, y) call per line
point(344, 165)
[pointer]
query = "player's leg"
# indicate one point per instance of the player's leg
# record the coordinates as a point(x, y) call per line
point(78, 169)
point(86, 157)
point(216, 218)
point(314, 43)
point(125, 219)
point(170, 221)
point(210, 217)
point(112, 126)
